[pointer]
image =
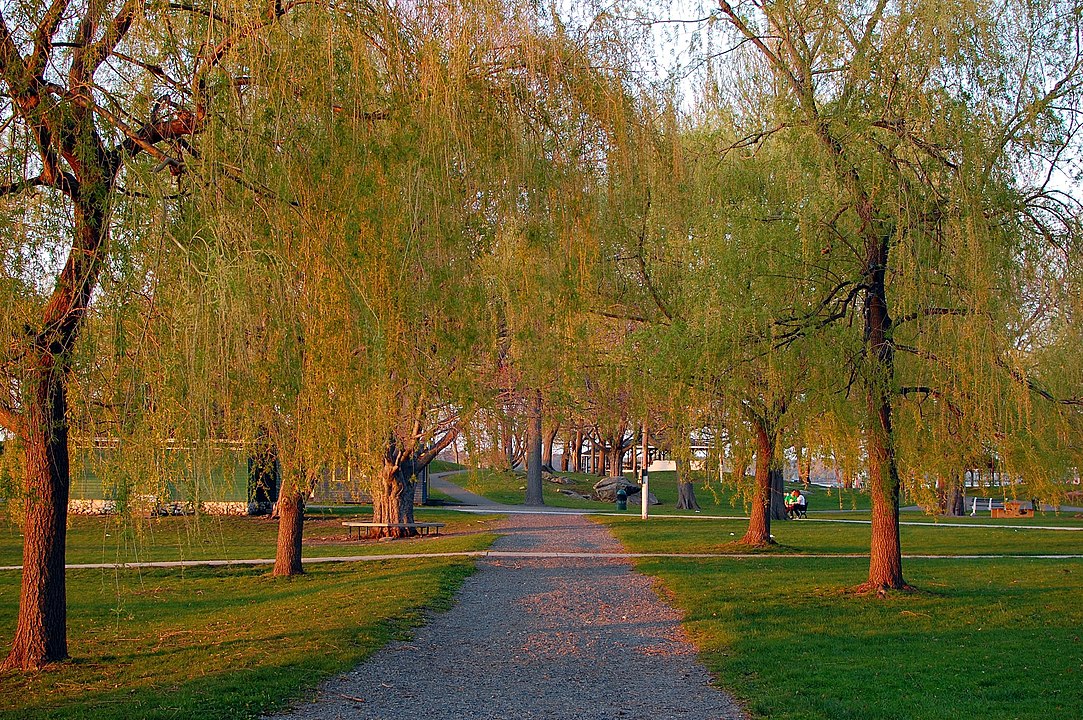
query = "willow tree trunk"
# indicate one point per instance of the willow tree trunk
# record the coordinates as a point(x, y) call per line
point(577, 454)
point(778, 494)
point(393, 500)
point(547, 448)
point(804, 467)
point(41, 628)
point(956, 501)
point(759, 521)
point(509, 445)
point(565, 457)
point(534, 452)
point(885, 552)
point(291, 527)
point(686, 493)
point(616, 459)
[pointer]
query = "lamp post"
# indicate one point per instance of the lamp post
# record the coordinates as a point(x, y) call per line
point(644, 492)
point(644, 479)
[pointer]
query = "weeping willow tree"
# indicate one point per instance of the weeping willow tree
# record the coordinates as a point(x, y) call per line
point(721, 339)
point(924, 134)
point(95, 96)
point(407, 172)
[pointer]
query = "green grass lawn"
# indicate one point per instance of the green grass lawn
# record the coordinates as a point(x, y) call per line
point(505, 487)
point(984, 639)
point(677, 535)
point(444, 466)
point(217, 642)
point(508, 488)
point(113, 539)
point(222, 642)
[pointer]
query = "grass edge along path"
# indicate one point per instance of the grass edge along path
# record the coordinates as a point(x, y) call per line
point(214, 642)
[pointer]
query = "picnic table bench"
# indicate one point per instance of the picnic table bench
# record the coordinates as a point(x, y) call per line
point(423, 527)
point(1002, 508)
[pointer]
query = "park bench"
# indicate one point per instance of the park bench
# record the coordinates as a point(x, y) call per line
point(421, 527)
point(987, 504)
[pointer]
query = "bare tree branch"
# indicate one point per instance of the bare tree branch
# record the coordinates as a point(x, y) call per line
point(931, 392)
point(43, 38)
point(932, 312)
point(1031, 384)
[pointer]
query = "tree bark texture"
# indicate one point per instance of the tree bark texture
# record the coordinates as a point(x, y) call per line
point(291, 527)
point(534, 452)
point(885, 552)
point(759, 521)
point(41, 628)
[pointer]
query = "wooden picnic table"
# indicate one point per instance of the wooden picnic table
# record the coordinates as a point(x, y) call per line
point(423, 527)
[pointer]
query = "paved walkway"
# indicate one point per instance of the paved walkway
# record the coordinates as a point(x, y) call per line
point(553, 637)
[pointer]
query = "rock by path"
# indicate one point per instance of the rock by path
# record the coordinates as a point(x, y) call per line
point(553, 638)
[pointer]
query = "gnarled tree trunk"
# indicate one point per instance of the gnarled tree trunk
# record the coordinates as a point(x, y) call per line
point(686, 493)
point(393, 500)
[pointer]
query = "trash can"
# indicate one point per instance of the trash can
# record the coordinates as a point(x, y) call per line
point(622, 499)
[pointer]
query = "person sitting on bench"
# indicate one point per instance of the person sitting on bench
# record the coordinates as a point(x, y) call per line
point(799, 505)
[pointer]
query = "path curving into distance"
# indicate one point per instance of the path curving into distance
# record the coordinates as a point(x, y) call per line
point(555, 637)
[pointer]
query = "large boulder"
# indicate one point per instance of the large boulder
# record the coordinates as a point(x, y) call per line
point(606, 489)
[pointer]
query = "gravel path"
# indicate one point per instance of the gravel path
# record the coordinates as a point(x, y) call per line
point(564, 638)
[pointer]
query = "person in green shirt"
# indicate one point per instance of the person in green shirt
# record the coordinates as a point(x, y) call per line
point(790, 501)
